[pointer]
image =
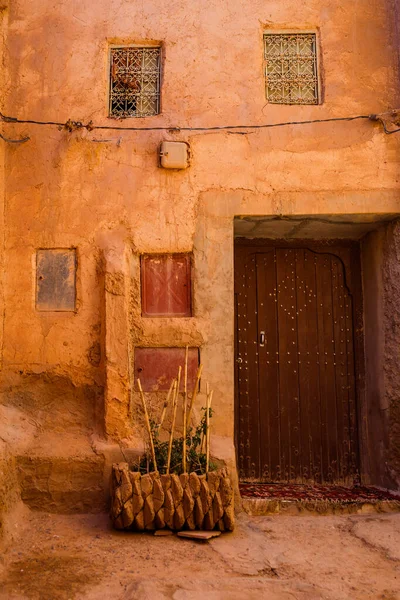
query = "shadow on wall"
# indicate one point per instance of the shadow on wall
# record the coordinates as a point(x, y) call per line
point(55, 403)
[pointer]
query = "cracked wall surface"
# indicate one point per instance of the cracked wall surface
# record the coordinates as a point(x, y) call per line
point(103, 193)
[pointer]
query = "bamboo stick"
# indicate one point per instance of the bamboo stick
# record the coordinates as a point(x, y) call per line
point(166, 404)
point(131, 379)
point(203, 437)
point(174, 404)
point(185, 376)
point(146, 416)
point(209, 399)
point(194, 395)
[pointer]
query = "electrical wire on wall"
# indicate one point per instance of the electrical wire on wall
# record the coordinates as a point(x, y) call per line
point(19, 141)
point(393, 116)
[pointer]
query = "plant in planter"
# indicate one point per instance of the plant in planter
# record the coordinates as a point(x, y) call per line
point(175, 485)
point(196, 457)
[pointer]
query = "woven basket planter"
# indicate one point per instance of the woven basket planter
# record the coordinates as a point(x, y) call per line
point(176, 502)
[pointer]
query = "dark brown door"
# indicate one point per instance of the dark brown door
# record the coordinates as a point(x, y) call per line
point(296, 391)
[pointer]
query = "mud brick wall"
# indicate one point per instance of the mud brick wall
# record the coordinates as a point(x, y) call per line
point(188, 501)
point(9, 493)
point(380, 422)
point(391, 402)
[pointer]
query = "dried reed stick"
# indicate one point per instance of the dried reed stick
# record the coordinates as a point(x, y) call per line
point(185, 376)
point(146, 416)
point(203, 437)
point(194, 395)
point(174, 404)
point(209, 399)
point(166, 404)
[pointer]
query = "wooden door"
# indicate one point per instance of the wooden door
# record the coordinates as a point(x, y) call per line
point(295, 368)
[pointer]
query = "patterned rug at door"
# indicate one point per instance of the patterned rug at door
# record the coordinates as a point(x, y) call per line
point(314, 493)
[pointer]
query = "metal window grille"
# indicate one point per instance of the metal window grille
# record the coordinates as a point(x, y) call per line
point(134, 82)
point(291, 68)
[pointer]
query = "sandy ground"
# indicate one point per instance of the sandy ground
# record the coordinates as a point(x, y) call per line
point(279, 557)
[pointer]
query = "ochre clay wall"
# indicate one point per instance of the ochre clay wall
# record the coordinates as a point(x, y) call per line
point(3, 34)
point(381, 421)
point(103, 192)
point(391, 280)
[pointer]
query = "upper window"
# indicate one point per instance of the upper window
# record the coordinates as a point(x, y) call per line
point(291, 68)
point(135, 81)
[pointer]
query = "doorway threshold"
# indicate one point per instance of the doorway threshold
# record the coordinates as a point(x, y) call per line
point(272, 498)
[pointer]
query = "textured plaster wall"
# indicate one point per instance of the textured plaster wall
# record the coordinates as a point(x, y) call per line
point(391, 282)
point(103, 192)
point(3, 34)
point(380, 416)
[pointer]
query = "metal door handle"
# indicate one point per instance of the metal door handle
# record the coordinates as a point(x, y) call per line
point(239, 360)
point(262, 338)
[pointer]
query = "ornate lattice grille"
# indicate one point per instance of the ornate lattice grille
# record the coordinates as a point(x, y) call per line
point(134, 82)
point(291, 68)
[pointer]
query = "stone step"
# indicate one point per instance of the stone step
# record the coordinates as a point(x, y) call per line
point(268, 506)
point(62, 474)
point(55, 484)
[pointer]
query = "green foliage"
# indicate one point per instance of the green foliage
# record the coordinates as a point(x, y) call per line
point(195, 458)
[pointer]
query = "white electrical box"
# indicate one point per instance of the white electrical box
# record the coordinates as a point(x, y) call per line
point(174, 155)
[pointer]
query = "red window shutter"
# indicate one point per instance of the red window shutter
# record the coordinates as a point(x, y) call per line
point(156, 367)
point(166, 285)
